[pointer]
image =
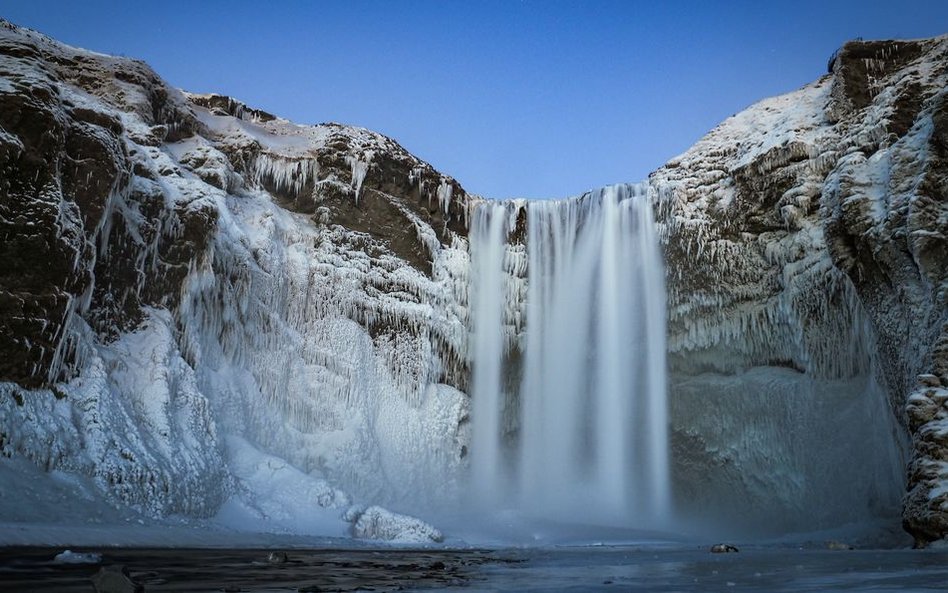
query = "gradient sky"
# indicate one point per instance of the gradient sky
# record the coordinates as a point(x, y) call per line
point(530, 98)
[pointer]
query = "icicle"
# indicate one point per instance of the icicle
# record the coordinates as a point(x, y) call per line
point(445, 192)
point(359, 169)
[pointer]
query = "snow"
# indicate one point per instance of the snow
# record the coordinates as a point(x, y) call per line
point(70, 557)
point(280, 136)
point(275, 497)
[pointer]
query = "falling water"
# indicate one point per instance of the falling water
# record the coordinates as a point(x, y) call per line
point(489, 229)
point(592, 415)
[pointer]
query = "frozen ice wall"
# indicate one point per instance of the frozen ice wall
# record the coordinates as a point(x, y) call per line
point(326, 356)
point(584, 434)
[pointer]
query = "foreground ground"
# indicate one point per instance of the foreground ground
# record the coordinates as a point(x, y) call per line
point(602, 568)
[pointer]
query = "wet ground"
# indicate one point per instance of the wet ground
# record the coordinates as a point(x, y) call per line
point(32, 569)
point(605, 568)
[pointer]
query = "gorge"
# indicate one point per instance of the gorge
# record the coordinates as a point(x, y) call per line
point(209, 312)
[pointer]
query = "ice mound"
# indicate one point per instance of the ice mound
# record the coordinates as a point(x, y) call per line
point(382, 524)
point(70, 557)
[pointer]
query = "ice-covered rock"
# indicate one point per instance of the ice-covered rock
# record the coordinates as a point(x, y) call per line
point(203, 303)
point(382, 524)
point(70, 557)
point(806, 239)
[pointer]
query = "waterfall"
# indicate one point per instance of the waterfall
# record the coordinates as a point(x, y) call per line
point(489, 229)
point(591, 420)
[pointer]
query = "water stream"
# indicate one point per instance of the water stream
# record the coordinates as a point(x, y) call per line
point(584, 431)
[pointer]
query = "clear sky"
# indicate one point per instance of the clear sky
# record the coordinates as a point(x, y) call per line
point(528, 98)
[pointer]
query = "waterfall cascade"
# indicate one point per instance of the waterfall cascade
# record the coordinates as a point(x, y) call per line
point(586, 426)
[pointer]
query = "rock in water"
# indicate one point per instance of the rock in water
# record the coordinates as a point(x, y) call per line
point(70, 557)
point(277, 558)
point(115, 579)
point(382, 524)
point(835, 545)
point(723, 549)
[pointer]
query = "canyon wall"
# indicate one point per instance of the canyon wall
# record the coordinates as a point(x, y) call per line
point(190, 284)
point(807, 255)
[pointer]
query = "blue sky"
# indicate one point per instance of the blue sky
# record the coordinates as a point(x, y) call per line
point(529, 98)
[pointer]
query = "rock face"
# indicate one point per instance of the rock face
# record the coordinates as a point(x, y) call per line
point(181, 269)
point(806, 247)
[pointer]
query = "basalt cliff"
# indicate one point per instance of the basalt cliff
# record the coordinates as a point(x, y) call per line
point(200, 300)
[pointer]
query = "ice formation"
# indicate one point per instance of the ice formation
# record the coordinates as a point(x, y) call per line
point(257, 338)
point(381, 524)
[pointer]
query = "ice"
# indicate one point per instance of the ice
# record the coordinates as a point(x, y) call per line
point(445, 192)
point(70, 557)
point(274, 496)
point(378, 523)
point(360, 166)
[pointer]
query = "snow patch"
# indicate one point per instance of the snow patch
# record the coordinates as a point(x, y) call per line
point(70, 557)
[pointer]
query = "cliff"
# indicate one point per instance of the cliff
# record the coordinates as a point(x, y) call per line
point(808, 235)
point(190, 284)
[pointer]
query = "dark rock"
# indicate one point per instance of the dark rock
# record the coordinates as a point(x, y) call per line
point(835, 545)
point(723, 549)
point(224, 105)
point(115, 579)
point(860, 67)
